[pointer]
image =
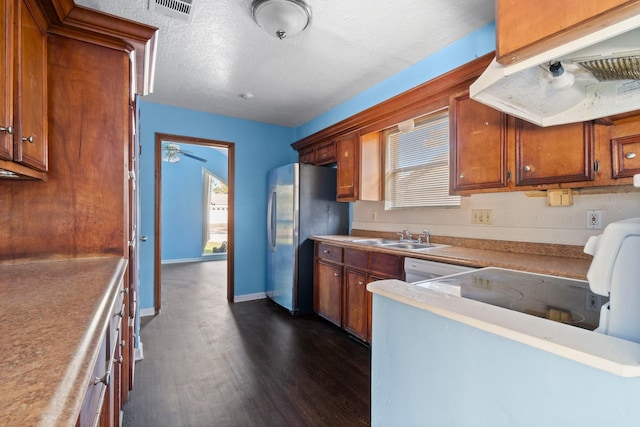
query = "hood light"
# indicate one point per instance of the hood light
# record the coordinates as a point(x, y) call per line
point(560, 79)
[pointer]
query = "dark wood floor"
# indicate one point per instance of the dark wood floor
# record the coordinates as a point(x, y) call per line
point(210, 363)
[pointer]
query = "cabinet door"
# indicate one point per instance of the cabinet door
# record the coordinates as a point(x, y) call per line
point(347, 174)
point(356, 309)
point(327, 292)
point(308, 156)
point(625, 155)
point(554, 154)
point(6, 80)
point(30, 139)
point(478, 147)
point(326, 153)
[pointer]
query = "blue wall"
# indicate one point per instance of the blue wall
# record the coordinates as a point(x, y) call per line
point(182, 201)
point(467, 49)
point(259, 147)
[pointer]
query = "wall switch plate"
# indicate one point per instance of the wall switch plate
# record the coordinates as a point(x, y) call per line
point(560, 197)
point(594, 219)
point(482, 216)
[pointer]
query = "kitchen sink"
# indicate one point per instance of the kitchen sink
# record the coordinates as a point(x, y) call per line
point(394, 244)
point(374, 242)
point(410, 245)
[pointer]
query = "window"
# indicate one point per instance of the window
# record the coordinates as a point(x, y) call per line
point(417, 164)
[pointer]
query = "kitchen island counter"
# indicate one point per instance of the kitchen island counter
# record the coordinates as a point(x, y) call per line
point(454, 361)
point(53, 316)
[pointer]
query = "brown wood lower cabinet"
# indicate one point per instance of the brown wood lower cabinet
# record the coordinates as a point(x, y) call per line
point(327, 293)
point(340, 285)
point(356, 311)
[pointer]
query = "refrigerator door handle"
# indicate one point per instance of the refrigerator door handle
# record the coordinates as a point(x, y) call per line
point(271, 228)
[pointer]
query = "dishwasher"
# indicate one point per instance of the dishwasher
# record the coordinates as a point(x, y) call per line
point(417, 270)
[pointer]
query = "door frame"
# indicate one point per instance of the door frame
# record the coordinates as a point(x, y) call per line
point(230, 146)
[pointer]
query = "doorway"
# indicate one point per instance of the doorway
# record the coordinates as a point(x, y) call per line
point(177, 141)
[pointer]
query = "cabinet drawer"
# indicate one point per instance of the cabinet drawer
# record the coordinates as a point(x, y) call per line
point(94, 397)
point(386, 264)
point(625, 153)
point(356, 258)
point(329, 252)
point(326, 153)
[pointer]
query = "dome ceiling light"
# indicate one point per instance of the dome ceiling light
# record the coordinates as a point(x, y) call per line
point(281, 18)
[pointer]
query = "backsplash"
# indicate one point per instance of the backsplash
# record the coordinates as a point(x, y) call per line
point(515, 217)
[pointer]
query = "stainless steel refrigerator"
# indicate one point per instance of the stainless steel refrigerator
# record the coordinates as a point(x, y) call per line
point(301, 203)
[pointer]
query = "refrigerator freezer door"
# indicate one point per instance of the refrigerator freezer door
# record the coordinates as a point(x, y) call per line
point(282, 231)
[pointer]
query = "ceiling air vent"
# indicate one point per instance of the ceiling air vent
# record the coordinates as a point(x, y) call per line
point(180, 9)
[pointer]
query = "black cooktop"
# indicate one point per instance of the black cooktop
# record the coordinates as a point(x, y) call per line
point(559, 299)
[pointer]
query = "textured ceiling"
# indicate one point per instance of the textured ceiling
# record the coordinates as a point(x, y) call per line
point(350, 46)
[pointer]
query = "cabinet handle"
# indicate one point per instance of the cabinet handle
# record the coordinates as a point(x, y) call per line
point(119, 360)
point(8, 129)
point(28, 139)
point(326, 251)
point(630, 155)
point(120, 314)
point(360, 282)
point(461, 176)
point(336, 274)
point(123, 343)
point(527, 168)
point(106, 379)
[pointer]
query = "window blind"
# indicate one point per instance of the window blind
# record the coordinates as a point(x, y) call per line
point(417, 164)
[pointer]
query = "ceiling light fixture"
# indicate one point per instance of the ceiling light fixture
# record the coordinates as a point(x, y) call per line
point(281, 18)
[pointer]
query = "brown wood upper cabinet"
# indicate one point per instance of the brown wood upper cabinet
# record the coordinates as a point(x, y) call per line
point(478, 145)
point(525, 29)
point(554, 154)
point(24, 107)
point(359, 162)
point(322, 154)
point(348, 168)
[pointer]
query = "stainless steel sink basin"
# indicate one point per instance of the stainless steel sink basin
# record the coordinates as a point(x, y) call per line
point(394, 244)
point(409, 245)
point(372, 241)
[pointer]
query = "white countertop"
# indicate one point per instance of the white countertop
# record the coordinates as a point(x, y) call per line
point(610, 354)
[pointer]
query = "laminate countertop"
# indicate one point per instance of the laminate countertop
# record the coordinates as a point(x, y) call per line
point(551, 259)
point(53, 316)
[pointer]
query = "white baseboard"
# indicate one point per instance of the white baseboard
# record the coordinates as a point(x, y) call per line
point(144, 312)
point(139, 352)
point(249, 297)
point(204, 258)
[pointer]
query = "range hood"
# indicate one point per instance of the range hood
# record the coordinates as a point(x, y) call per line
point(601, 78)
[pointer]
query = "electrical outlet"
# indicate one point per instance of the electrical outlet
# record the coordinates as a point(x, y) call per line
point(594, 219)
point(481, 216)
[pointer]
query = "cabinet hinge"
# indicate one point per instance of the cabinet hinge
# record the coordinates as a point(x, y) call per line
point(508, 175)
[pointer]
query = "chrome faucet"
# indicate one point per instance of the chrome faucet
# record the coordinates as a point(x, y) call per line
point(427, 237)
point(405, 235)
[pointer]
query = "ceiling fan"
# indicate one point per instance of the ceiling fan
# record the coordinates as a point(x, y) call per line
point(171, 153)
